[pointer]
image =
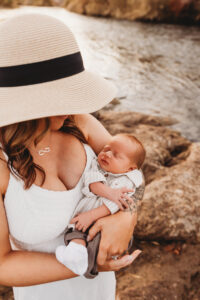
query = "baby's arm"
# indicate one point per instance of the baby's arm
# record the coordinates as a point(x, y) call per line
point(85, 219)
point(117, 184)
point(137, 183)
point(115, 193)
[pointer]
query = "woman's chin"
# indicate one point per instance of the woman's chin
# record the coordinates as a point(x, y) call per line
point(57, 122)
point(63, 117)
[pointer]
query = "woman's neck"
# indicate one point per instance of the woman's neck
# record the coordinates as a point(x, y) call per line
point(44, 145)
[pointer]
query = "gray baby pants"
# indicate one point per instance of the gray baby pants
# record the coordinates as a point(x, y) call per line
point(92, 248)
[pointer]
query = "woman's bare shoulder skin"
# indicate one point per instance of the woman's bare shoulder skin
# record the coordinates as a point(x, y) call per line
point(82, 122)
point(4, 174)
point(96, 134)
point(67, 139)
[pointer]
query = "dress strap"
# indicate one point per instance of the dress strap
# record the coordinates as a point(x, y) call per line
point(89, 150)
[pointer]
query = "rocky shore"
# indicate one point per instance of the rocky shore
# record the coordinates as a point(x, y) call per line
point(169, 216)
point(183, 11)
point(168, 223)
point(154, 66)
point(170, 208)
point(148, 10)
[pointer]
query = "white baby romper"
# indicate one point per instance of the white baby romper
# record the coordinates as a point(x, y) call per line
point(37, 218)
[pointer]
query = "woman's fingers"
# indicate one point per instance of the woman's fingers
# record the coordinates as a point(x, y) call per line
point(84, 228)
point(74, 220)
point(102, 255)
point(94, 230)
point(124, 202)
point(129, 199)
point(79, 226)
point(124, 260)
point(135, 254)
point(120, 205)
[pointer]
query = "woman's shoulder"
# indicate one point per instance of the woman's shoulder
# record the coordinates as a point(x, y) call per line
point(4, 174)
point(69, 146)
point(68, 140)
point(89, 124)
point(83, 122)
point(95, 133)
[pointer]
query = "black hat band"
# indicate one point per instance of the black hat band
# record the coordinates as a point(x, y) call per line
point(43, 71)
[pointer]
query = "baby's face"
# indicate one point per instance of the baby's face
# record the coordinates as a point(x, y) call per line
point(115, 156)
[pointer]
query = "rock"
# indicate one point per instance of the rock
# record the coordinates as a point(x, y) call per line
point(164, 147)
point(194, 291)
point(157, 274)
point(159, 10)
point(170, 208)
point(150, 10)
point(9, 3)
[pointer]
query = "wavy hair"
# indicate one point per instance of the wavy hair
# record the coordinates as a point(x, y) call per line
point(16, 138)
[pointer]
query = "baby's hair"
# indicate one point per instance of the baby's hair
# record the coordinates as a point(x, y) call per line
point(139, 152)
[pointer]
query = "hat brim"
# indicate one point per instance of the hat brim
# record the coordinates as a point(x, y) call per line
point(84, 92)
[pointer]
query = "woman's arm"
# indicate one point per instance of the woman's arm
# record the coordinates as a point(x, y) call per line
point(95, 133)
point(24, 268)
point(116, 232)
point(124, 222)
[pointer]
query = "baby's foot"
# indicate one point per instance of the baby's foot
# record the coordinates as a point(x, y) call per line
point(74, 256)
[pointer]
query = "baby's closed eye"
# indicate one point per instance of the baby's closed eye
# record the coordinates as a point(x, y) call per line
point(106, 148)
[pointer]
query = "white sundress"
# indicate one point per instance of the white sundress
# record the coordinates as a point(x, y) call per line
point(37, 218)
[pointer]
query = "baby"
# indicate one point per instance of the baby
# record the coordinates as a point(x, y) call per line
point(113, 174)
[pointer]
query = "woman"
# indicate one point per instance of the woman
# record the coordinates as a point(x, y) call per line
point(43, 83)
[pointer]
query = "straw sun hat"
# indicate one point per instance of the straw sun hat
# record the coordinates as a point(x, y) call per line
point(42, 72)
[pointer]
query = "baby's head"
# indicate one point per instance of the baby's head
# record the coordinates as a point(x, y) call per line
point(122, 154)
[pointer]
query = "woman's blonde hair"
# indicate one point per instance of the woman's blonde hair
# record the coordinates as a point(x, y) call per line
point(16, 138)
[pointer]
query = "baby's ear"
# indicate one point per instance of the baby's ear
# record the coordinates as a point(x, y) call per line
point(133, 167)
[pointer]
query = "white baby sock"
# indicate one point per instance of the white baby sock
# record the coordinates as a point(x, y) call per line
point(74, 256)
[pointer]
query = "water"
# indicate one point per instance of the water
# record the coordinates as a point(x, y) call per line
point(156, 67)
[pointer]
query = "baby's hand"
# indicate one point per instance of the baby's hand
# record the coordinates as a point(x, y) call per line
point(120, 197)
point(82, 221)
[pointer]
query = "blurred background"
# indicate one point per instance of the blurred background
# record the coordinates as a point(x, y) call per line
point(150, 49)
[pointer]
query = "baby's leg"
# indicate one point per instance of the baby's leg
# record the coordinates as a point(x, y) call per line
point(79, 241)
point(74, 256)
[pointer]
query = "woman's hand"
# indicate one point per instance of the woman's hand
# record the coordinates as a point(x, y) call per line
point(116, 232)
point(120, 197)
point(115, 265)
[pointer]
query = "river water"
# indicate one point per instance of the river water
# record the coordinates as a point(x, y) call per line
point(156, 67)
